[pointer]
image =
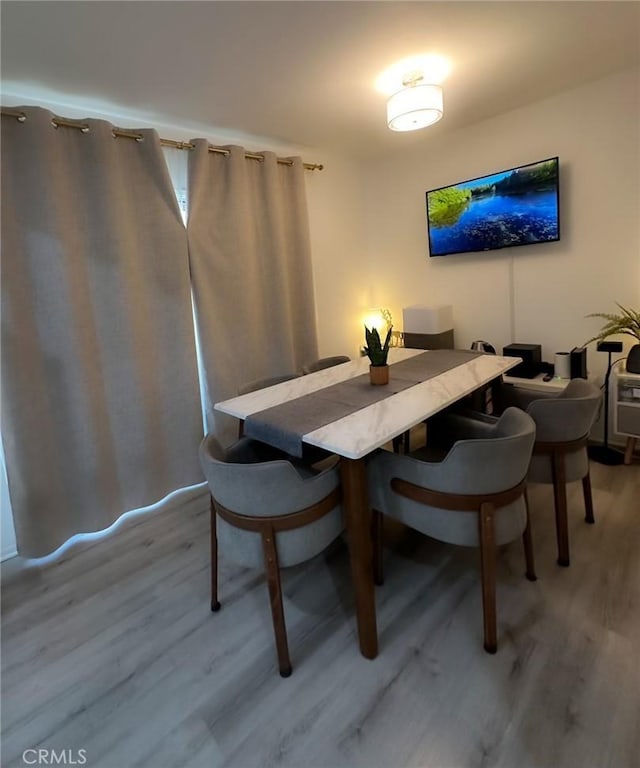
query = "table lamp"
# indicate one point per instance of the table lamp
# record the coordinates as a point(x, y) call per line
point(428, 327)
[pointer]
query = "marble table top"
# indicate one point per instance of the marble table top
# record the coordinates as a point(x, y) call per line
point(366, 429)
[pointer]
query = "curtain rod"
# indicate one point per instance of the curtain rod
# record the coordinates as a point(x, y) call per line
point(122, 133)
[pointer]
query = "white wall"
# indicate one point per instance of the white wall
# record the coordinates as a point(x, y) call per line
point(543, 291)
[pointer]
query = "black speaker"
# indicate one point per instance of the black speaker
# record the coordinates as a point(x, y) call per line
point(531, 355)
point(579, 363)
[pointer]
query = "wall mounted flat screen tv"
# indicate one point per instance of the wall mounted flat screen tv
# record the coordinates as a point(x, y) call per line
point(502, 210)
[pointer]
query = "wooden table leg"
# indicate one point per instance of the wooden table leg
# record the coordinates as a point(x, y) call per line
point(357, 519)
point(560, 502)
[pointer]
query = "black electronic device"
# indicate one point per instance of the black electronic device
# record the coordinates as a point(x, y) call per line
point(483, 346)
point(604, 454)
point(579, 363)
point(531, 355)
point(609, 346)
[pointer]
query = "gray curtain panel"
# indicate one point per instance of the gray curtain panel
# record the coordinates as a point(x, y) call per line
point(251, 272)
point(100, 410)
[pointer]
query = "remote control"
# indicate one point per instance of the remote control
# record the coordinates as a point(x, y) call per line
point(547, 377)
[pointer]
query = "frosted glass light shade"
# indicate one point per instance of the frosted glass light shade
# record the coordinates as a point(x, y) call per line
point(416, 106)
point(421, 318)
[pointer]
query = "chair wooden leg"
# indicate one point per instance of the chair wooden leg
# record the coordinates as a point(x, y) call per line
point(488, 568)
point(396, 443)
point(588, 499)
point(240, 429)
point(406, 441)
point(377, 526)
point(528, 545)
point(560, 502)
point(272, 569)
point(628, 453)
point(215, 605)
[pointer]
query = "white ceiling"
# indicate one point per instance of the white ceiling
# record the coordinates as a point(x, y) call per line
point(304, 72)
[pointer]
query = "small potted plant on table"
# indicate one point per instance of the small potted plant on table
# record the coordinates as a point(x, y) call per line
point(377, 353)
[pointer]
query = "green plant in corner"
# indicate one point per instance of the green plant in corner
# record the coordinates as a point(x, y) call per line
point(627, 321)
point(375, 350)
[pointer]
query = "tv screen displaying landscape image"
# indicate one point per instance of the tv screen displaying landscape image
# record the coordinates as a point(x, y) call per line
point(502, 210)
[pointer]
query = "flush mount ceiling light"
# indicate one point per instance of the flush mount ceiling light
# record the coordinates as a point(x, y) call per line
point(416, 106)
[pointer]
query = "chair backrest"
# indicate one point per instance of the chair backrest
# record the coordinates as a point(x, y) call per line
point(495, 462)
point(569, 416)
point(487, 463)
point(324, 362)
point(245, 485)
point(253, 386)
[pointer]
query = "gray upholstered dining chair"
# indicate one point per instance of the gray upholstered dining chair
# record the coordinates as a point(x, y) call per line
point(563, 421)
point(473, 496)
point(324, 362)
point(256, 384)
point(268, 513)
point(253, 386)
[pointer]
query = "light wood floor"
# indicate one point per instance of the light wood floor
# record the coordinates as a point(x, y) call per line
point(114, 650)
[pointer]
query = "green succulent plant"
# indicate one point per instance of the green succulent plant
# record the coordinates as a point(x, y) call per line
point(627, 321)
point(375, 350)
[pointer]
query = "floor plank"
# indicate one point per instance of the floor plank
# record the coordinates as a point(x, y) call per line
point(113, 650)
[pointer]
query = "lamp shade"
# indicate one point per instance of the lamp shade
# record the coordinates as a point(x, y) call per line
point(421, 318)
point(416, 106)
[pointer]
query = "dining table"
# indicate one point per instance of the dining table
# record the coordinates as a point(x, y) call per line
point(338, 410)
